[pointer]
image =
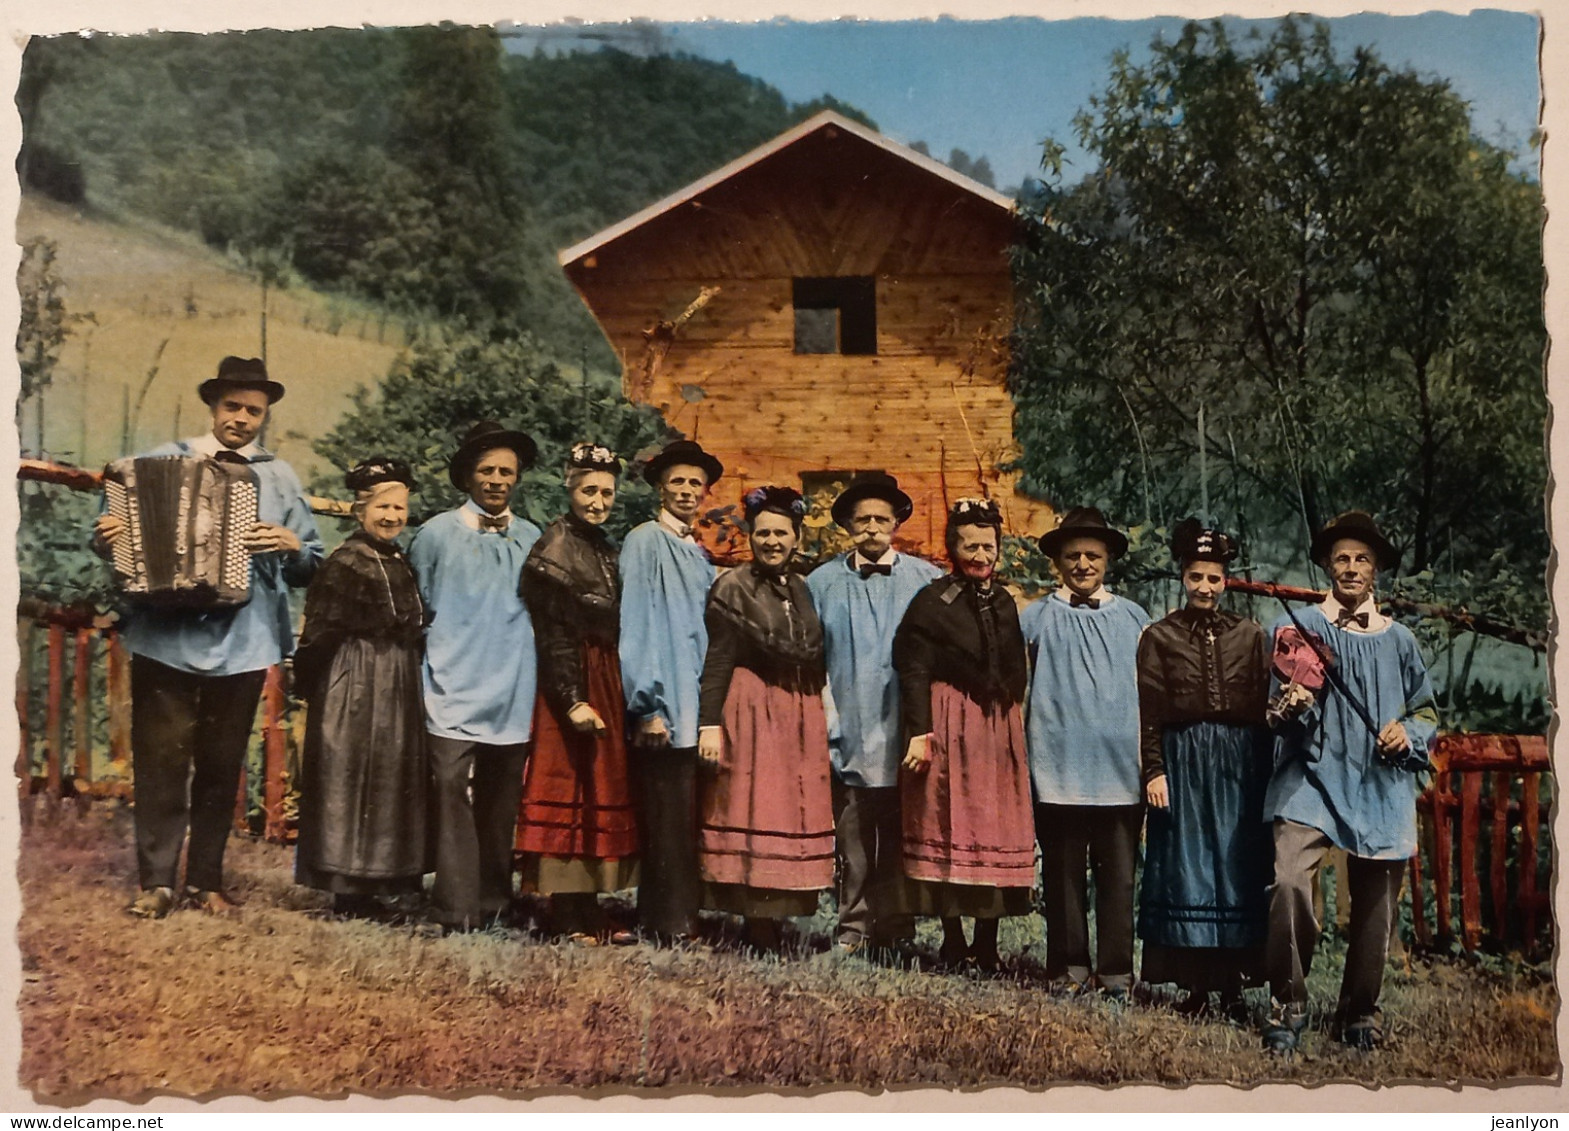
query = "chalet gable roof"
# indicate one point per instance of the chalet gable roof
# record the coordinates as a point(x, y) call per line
point(824, 120)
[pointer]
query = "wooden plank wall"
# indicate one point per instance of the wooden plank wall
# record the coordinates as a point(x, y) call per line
point(931, 407)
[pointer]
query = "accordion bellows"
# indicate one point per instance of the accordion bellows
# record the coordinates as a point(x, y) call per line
point(186, 518)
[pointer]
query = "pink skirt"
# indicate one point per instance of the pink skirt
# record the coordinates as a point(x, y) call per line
point(765, 817)
point(967, 818)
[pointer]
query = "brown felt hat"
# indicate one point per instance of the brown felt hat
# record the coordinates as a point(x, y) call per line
point(1084, 522)
point(871, 485)
point(481, 438)
point(1360, 526)
point(689, 452)
point(240, 373)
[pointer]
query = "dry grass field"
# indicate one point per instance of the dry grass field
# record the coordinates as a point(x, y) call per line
point(161, 301)
point(284, 999)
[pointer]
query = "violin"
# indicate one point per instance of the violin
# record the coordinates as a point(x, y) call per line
point(1301, 657)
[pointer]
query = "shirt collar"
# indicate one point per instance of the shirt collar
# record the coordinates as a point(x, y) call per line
point(673, 524)
point(1376, 621)
point(858, 559)
point(207, 444)
point(470, 512)
point(1065, 595)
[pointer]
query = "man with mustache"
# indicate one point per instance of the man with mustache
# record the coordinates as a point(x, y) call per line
point(665, 578)
point(1338, 784)
point(479, 673)
point(860, 597)
point(197, 674)
point(1083, 736)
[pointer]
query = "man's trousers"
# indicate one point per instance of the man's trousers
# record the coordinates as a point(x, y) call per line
point(670, 887)
point(1374, 886)
point(477, 788)
point(1107, 838)
point(189, 735)
point(872, 903)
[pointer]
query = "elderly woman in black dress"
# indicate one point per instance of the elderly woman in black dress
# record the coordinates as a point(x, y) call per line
point(1203, 686)
point(577, 833)
point(362, 819)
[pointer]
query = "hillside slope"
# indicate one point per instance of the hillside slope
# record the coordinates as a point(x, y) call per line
point(159, 298)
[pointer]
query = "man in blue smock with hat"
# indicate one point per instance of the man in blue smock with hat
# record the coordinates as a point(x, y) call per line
point(197, 674)
point(861, 596)
point(1082, 727)
point(479, 673)
point(1348, 761)
point(665, 578)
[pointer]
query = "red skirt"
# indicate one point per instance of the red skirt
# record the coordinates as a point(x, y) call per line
point(766, 814)
point(577, 802)
point(967, 818)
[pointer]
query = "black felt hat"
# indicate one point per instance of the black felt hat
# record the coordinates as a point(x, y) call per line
point(871, 485)
point(482, 437)
point(1084, 522)
point(1360, 526)
point(689, 452)
point(240, 373)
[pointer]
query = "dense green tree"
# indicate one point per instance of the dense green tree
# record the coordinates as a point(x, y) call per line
point(423, 168)
point(1317, 252)
point(447, 382)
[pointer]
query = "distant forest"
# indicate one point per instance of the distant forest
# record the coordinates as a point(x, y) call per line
point(424, 168)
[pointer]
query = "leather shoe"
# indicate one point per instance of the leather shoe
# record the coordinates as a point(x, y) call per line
point(1283, 1031)
point(152, 903)
point(212, 902)
point(1362, 1035)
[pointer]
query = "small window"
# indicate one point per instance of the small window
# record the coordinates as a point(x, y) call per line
point(826, 485)
point(835, 315)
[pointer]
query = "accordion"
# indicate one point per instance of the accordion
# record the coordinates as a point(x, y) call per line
point(186, 518)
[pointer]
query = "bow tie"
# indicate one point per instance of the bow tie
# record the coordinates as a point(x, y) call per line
point(1077, 600)
point(886, 569)
point(498, 523)
point(228, 455)
point(1346, 618)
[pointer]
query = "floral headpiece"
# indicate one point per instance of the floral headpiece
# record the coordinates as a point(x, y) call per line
point(378, 470)
point(588, 456)
point(785, 500)
point(974, 512)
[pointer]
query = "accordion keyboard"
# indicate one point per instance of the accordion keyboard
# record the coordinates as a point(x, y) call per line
point(127, 562)
point(243, 511)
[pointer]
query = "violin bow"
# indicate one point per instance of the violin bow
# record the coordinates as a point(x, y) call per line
point(1331, 673)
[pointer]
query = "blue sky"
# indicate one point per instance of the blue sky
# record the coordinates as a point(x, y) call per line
point(995, 88)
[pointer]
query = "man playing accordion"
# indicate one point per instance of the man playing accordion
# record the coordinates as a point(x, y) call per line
point(197, 673)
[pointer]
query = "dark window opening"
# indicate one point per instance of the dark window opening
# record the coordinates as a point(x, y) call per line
point(835, 314)
point(825, 486)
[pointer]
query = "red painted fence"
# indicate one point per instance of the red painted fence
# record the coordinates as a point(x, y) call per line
point(1487, 787)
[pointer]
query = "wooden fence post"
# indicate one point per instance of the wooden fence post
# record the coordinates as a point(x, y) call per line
point(242, 800)
point(1443, 854)
point(24, 751)
point(81, 717)
point(118, 693)
point(54, 725)
point(1530, 825)
point(274, 755)
point(1497, 875)
point(1470, 882)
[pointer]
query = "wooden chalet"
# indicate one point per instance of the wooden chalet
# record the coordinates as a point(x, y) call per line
point(830, 302)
